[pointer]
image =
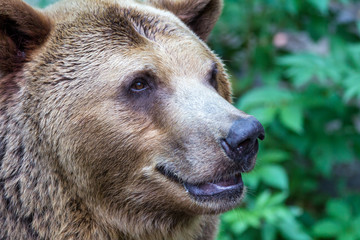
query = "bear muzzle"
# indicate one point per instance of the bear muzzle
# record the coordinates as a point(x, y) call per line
point(241, 146)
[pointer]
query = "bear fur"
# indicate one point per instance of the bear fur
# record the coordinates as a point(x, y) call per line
point(106, 108)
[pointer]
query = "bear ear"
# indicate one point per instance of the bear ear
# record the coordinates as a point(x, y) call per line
point(199, 15)
point(22, 30)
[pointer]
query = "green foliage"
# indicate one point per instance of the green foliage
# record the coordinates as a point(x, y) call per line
point(340, 223)
point(40, 3)
point(295, 65)
point(267, 213)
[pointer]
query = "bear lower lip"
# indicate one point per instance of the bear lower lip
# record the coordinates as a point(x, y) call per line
point(227, 188)
point(209, 189)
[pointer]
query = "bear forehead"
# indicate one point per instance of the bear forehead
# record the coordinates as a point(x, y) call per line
point(94, 28)
point(126, 19)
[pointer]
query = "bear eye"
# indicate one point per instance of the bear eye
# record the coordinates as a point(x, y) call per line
point(139, 85)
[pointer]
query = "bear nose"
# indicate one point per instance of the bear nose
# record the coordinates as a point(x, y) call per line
point(241, 144)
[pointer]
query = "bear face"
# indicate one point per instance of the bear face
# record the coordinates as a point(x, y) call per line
point(133, 110)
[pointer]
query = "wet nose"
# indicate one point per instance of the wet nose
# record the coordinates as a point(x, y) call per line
point(241, 143)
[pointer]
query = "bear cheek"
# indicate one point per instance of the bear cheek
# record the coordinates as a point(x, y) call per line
point(120, 151)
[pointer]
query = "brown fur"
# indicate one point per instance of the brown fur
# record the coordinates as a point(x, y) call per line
point(79, 153)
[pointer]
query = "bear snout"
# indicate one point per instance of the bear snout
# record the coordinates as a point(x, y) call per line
point(241, 143)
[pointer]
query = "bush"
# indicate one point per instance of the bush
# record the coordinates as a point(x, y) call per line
point(295, 65)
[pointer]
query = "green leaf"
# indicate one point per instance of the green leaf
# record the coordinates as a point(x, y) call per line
point(358, 26)
point(40, 3)
point(265, 97)
point(278, 198)
point(352, 85)
point(273, 214)
point(338, 209)
point(224, 236)
point(231, 216)
point(251, 219)
point(262, 199)
point(301, 68)
point(300, 77)
point(356, 225)
point(327, 228)
point(291, 6)
point(351, 92)
point(274, 176)
point(273, 156)
point(292, 230)
point(265, 115)
point(296, 211)
point(239, 227)
point(251, 180)
point(346, 236)
point(321, 5)
point(292, 118)
point(268, 232)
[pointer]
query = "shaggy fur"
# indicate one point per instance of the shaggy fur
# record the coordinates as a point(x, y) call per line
point(82, 155)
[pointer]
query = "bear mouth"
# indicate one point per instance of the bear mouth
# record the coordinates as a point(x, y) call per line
point(210, 189)
point(228, 187)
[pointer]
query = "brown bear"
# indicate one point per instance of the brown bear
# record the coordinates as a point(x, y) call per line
point(116, 122)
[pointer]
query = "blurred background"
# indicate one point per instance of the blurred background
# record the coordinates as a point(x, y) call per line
point(295, 65)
